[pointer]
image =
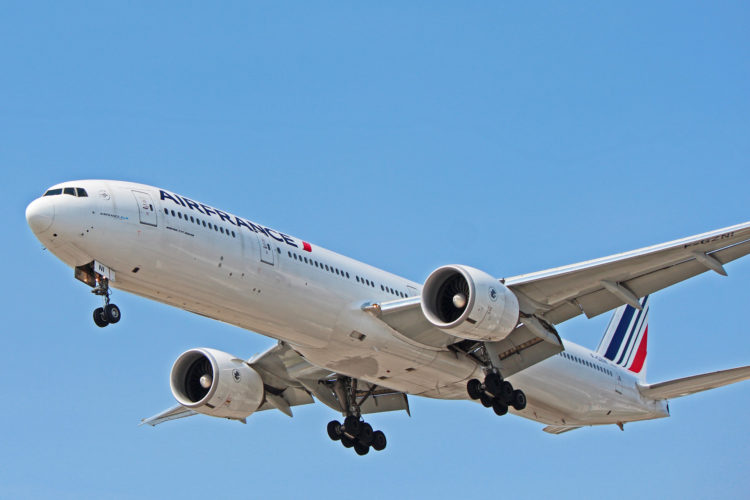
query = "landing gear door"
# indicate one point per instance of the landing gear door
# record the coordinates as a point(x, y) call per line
point(146, 210)
point(266, 250)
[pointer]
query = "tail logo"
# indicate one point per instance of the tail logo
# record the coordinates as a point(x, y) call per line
point(625, 341)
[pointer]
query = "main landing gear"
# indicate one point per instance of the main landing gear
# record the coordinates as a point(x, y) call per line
point(357, 434)
point(496, 393)
point(354, 432)
point(110, 313)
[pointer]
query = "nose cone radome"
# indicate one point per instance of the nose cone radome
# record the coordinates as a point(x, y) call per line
point(39, 214)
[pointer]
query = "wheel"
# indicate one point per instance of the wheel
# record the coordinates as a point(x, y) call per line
point(347, 441)
point(99, 318)
point(352, 425)
point(485, 400)
point(112, 313)
point(378, 441)
point(499, 407)
point(361, 449)
point(474, 388)
point(518, 400)
point(365, 434)
point(334, 430)
point(506, 391)
point(493, 382)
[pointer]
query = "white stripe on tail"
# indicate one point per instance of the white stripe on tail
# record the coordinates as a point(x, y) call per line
point(625, 341)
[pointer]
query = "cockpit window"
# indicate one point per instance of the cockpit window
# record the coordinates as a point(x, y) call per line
point(78, 192)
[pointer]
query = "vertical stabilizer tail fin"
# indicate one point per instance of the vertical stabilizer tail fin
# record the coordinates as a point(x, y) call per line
point(625, 340)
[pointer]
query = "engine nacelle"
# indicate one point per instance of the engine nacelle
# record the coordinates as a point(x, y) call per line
point(469, 303)
point(216, 383)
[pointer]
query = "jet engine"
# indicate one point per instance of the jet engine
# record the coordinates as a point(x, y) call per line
point(216, 383)
point(469, 303)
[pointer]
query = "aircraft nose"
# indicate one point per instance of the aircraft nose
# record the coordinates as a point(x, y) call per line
point(40, 214)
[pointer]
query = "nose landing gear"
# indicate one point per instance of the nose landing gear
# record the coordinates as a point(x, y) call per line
point(110, 313)
point(496, 393)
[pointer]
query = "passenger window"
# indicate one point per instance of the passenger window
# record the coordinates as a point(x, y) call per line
point(179, 215)
point(204, 223)
point(166, 211)
point(173, 214)
point(222, 230)
point(192, 219)
point(347, 275)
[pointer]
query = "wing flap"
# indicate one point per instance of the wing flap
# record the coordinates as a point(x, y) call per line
point(697, 383)
point(173, 413)
point(562, 293)
point(559, 429)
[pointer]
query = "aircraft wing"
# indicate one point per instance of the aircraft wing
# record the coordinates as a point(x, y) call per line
point(290, 380)
point(696, 383)
point(550, 297)
point(600, 285)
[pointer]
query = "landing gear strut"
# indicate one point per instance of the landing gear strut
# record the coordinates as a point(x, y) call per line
point(110, 313)
point(496, 393)
point(354, 432)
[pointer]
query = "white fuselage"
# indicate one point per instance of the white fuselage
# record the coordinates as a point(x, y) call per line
point(195, 257)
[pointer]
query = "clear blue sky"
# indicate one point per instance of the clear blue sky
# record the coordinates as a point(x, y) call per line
point(509, 138)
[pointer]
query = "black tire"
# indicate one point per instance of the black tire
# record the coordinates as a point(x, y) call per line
point(352, 425)
point(334, 430)
point(518, 400)
point(499, 407)
point(112, 313)
point(361, 449)
point(365, 434)
point(506, 391)
point(378, 441)
point(474, 388)
point(493, 382)
point(99, 318)
point(347, 441)
point(485, 400)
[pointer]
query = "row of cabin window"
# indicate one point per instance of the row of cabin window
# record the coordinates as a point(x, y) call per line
point(78, 192)
point(194, 220)
point(586, 363)
point(319, 265)
point(394, 292)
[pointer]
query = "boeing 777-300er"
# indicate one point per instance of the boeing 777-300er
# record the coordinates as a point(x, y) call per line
point(360, 339)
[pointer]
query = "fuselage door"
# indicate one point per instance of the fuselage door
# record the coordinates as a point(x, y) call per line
point(146, 209)
point(266, 250)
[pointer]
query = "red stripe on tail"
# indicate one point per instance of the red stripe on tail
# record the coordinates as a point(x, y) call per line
point(640, 355)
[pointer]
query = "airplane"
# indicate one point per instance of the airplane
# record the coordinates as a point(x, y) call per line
point(361, 340)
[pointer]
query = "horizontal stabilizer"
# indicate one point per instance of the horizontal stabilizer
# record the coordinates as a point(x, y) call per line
point(696, 383)
point(559, 429)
